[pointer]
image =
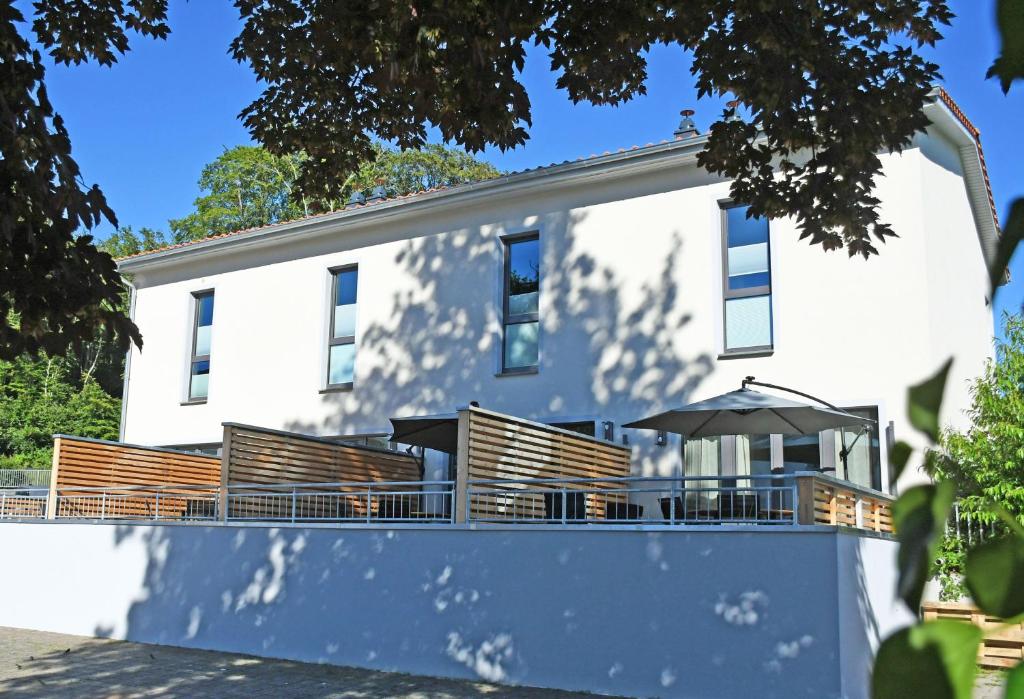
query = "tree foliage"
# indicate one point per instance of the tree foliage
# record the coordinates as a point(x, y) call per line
point(985, 462)
point(45, 395)
point(247, 187)
point(56, 290)
point(127, 242)
point(826, 85)
point(244, 187)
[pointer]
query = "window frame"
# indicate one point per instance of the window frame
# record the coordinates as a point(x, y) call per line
point(730, 294)
point(197, 297)
point(333, 341)
point(508, 318)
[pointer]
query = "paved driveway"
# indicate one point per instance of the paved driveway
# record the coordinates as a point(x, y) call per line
point(39, 664)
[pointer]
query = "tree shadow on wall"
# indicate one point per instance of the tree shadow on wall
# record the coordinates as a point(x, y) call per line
point(613, 345)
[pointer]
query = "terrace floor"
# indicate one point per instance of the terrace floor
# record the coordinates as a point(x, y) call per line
point(41, 664)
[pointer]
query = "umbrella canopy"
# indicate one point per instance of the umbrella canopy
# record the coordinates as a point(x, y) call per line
point(748, 412)
point(439, 432)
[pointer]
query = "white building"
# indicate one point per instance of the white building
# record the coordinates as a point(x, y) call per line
point(591, 292)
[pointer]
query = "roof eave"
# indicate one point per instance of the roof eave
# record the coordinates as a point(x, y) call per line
point(671, 154)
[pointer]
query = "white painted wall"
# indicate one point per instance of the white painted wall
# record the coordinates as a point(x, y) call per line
point(694, 613)
point(630, 304)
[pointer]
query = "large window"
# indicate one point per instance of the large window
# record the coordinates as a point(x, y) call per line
point(199, 373)
point(520, 348)
point(747, 281)
point(341, 345)
point(863, 452)
point(737, 456)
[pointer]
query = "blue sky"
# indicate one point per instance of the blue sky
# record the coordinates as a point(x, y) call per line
point(143, 129)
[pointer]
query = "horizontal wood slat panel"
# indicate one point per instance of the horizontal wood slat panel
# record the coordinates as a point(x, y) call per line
point(89, 464)
point(1001, 648)
point(259, 457)
point(505, 447)
point(835, 505)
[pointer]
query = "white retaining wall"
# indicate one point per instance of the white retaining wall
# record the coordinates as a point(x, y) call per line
point(690, 612)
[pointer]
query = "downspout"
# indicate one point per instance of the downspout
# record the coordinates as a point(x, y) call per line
point(127, 365)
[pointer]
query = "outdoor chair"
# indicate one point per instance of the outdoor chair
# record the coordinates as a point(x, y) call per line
point(623, 510)
point(395, 507)
point(575, 505)
point(666, 508)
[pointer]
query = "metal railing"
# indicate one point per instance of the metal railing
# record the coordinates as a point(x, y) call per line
point(181, 503)
point(24, 478)
point(393, 501)
point(767, 499)
point(16, 505)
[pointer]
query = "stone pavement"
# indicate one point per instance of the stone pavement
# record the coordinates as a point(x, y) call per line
point(36, 664)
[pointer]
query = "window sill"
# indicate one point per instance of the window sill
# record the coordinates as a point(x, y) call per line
point(193, 402)
point(337, 388)
point(525, 371)
point(747, 354)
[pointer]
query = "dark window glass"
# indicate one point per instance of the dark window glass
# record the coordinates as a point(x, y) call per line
point(346, 287)
point(801, 452)
point(205, 309)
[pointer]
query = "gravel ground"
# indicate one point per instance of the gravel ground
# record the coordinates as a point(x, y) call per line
point(40, 664)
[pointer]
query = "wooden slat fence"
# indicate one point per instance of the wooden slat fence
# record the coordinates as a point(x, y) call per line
point(505, 447)
point(257, 456)
point(80, 464)
point(827, 500)
point(1002, 647)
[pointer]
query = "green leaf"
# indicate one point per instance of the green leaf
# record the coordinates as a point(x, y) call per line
point(1015, 683)
point(995, 576)
point(901, 452)
point(925, 399)
point(1009, 66)
point(937, 659)
point(1009, 239)
point(919, 517)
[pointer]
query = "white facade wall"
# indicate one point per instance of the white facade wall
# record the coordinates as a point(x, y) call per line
point(630, 308)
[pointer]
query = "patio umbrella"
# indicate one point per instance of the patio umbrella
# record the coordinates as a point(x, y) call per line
point(747, 411)
point(438, 432)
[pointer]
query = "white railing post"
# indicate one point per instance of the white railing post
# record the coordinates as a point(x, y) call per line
point(103, 506)
point(565, 504)
point(293, 504)
point(672, 502)
point(369, 502)
point(3, 504)
point(156, 512)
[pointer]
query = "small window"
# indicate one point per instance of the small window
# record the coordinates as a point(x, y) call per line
point(747, 281)
point(199, 374)
point(341, 346)
point(520, 348)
